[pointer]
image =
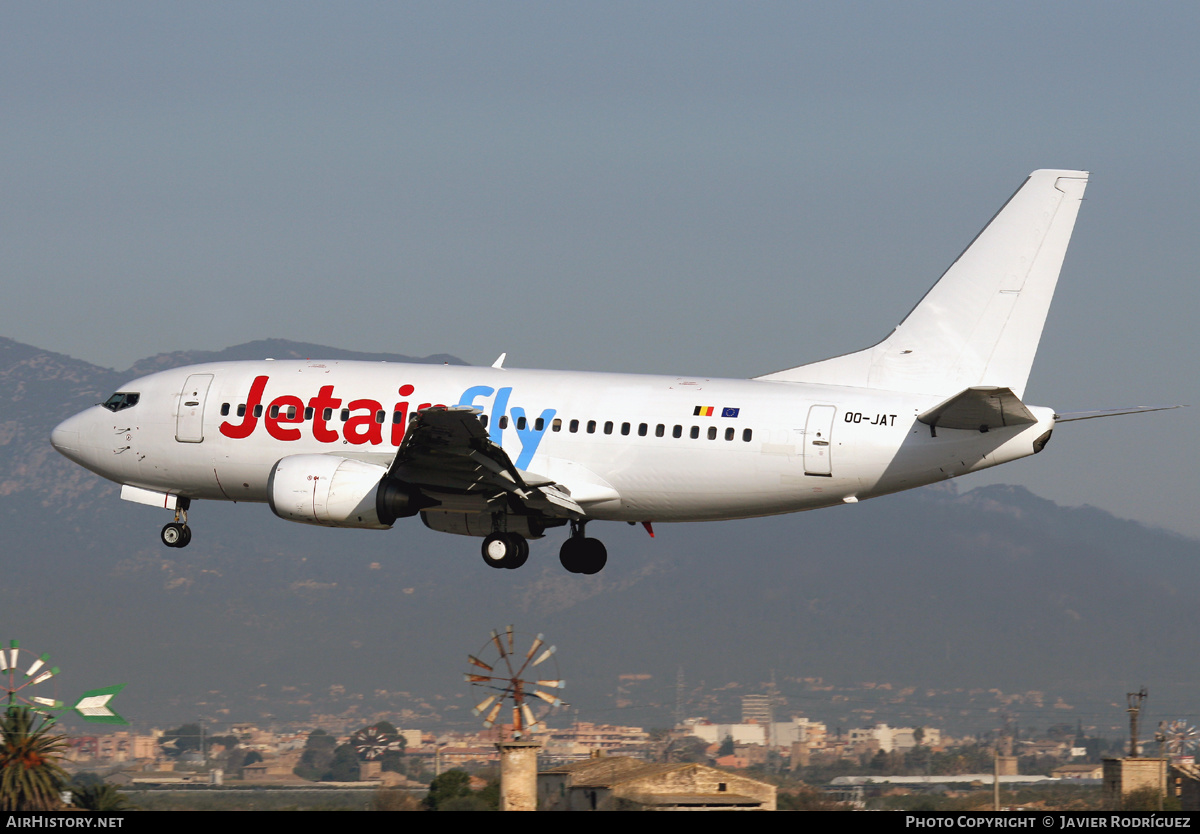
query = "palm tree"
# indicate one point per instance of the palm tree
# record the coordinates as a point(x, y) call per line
point(101, 798)
point(30, 776)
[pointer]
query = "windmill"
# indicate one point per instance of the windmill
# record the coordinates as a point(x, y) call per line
point(23, 676)
point(506, 677)
point(1180, 738)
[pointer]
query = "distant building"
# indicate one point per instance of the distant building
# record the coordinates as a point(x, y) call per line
point(717, 733)
point(612, 783)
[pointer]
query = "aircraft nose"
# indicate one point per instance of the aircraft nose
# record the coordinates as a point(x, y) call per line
point(67, 438)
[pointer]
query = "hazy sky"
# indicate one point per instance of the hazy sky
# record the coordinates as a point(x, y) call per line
point(702, 188)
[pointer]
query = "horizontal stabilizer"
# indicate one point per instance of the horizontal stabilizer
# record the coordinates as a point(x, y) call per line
point(979, 409)
point(1071, 416)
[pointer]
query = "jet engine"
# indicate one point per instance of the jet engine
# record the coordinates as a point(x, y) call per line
point(339, 492)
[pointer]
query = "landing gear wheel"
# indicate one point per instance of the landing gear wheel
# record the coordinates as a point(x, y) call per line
point(176, 535)
point(581, 555)
point(522, 554)
point(505, 550)
point(595, 557)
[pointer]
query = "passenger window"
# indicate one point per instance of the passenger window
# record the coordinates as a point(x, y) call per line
point(345, 415)
point(729, 432)
point(241, 409)
point(574, 426)
point(224, 409)
point(624, 428)
point(642, 429)
point(504, 422)
point(695, 432)
point(274, 412)
point(291, 413)
point(677, 431)
point(556, 425)
point(521, 424)
point(591, 426)
point(258, 410)
point(539, 424)
point(608, 426)
point(483, 420)
point(712, 432)
point(397, 417)
point(308, 413)
point(660, 430)
point(380, 416)
point(746, 435)
point(327, 415)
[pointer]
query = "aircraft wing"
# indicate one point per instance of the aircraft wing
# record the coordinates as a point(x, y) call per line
point(447, 449)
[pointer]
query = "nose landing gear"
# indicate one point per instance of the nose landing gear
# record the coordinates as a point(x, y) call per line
point(177, 533)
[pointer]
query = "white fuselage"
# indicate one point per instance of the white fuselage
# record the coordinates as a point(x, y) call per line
point(628, 447)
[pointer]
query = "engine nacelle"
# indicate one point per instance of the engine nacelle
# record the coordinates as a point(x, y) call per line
point(337, 492)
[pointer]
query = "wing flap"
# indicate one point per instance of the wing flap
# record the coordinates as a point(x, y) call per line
point(447, 449)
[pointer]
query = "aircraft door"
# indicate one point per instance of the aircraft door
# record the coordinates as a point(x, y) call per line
point(189, 421)
point(818, 437)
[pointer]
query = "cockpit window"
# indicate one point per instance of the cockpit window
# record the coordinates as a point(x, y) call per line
point(121, 401)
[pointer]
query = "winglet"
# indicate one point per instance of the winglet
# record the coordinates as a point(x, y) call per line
point(499, 363)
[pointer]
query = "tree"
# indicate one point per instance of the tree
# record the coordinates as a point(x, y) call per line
point(451, 785)
point(727, 747)
point(344, 767)
point(30, 776)
point(101, 798)
point(317, 756)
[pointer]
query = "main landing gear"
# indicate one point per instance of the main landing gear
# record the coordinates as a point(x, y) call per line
point(505, 550)
point(582, 555)
point(177, 533)
point(511, 550)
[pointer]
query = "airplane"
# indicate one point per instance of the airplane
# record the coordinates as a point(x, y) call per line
point(507, 454)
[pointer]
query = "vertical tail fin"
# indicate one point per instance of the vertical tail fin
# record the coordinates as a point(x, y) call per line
point(981, 322)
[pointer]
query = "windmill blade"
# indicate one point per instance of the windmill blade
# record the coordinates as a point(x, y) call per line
point(499, 646)
point(530, 721)
point(37, 664)
point(484, 704)
point(546, 655)
point(474, 661)
point(553, 684)
point(537, 644)
point(490, 720)
point(45, 676)
point(549, 699)
point(509, 632)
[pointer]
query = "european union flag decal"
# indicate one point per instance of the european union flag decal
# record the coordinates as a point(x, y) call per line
point(730, 412)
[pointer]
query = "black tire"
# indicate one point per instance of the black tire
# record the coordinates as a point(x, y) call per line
point(594, 557)
point(521, 555)
point(173, 534)
point(569, 554)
